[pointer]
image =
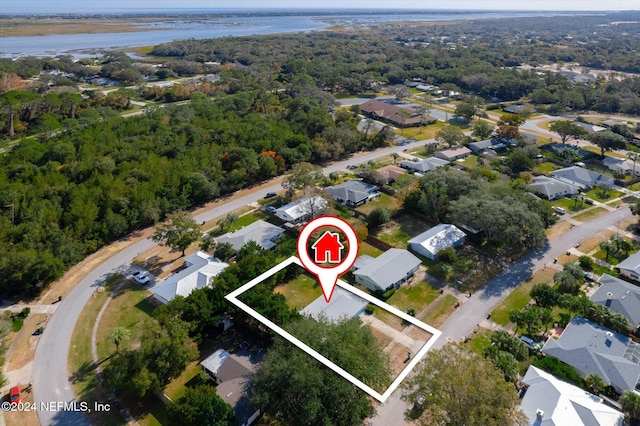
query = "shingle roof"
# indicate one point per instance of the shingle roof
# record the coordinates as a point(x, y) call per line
point(354, 191)
point(260, 231)
point(343, 304)
point(593, 349)
point(551, 187)
point(558, 403)
point(619, 296)
point(631, 263)
point(388, 268)
point(391, 112)
point(454, 152)
point(580, 176)
point(426, 165)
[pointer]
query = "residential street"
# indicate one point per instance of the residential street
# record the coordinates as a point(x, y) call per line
point(476, 308)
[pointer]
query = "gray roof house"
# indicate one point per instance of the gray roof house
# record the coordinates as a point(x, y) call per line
point(547, 401)
point(263, 233)
point(301, 209)
point(630, 267)
point(480, 146)
point(233, 374)
point(621, 165)
point(426, 165)
point(200, 268)
point(593, 349)
point(590, 128)
point(551, 188)
point(430, 242)
point(581, 177)
point(343, 304)
point(619, 296)
point(391, 269)
point(353, 192)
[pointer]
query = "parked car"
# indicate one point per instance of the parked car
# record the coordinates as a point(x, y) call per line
point(141, 278)
point(589, 276)
point(270, 195)
point(14, 394)
point(271, 209)
point(38, 331)
point(559, 210)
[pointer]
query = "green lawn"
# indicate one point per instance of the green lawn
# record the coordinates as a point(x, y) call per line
point(590, 214)
point(519, 297)
point(440, 310)
point(603, 196)
point(244, 220)
point(546, 167)
point(480, 342)
point(300, 291)
point(470, 162)
point(568, 204)
point(366, 248)
point(613, 259)
point(387, 202)
point(417, 297)
point(401, 230)
point(388, 318)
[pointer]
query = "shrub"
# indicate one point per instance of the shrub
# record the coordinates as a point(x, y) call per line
point(447, 255)
point(387, 294)
point(586, 263)
point(377, 217)
point(562, 371)
point(369, 309)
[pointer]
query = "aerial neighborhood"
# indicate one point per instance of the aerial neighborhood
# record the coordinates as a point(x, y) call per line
point(152, 201)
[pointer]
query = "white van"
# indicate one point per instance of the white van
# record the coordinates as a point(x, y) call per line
point(559, 210)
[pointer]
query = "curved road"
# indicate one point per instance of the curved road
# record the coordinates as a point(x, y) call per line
point(50, 374)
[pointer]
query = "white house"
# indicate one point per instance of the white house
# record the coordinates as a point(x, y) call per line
point(549, 401)
point(199, 269)
point(263, 233)
point(391, 269)
point(301, 209)
point(628, 167)
point(429, 243)
point(630, 267)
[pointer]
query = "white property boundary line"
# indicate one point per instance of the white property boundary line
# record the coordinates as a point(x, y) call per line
point(435, 333)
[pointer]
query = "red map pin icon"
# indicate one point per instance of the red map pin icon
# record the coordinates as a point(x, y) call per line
point(328, 249)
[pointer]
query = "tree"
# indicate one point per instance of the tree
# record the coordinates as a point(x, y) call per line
point(224, 251)
point(594, 383)
point(201, 406)
point(607, 141)
point(544, 295)
point(631, 404)
point(227, 221)
point(118, 335)
point(504, 341)
point(503, 361)
point(566, 282)
point(451, 135)
point(608, 248)
point(511, 120)
point(519, 161)
point(302, 176)
point(295, 389)
point(466, 110)
point(178, 233)
point(481, 129)
point(566, 130)
point(378, 216)
point(450, 387)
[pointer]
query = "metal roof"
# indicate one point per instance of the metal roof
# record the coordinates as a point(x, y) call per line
point(343, 304)
point(390, 267)
point(260, 231)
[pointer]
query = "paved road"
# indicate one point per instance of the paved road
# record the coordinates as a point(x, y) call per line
point(479, 305)
point(50, 369)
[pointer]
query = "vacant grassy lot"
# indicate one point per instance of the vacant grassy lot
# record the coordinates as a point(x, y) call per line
point(244, 220)
point(388, 318)
point(401, 230)
point(590, 214)
point(420, 134)
point(417, 297)
point(519, 297)
point(300, 291)
point(546, 167)
point(440, 310)
point(387, 202)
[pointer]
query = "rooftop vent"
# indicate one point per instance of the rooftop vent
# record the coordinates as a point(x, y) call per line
point(539, 414)
point(609, 295)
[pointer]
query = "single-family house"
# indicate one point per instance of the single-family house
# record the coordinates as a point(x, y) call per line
point(353, 192)
point(581, 177)
point(233, 375)
point(552, 188)
point(590, 128)
point(392, 268)
point(390, 173)
point(517, 109)
point(630, 267)
point(577, 77)
point(343, 304)
point(546, 400)
point(199, 269)
point(430, 242)
point(621, 165)
point(593, 349)
point(484, 145)
point(453, 154)
point(301, 209)
point(620, 297)
point(261, 232)
point(393, 114)
point(422, 166)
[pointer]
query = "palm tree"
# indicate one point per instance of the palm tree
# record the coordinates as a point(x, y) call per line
point(608, 247)
point(631, 404)
point(118, 335)
point(595, 383)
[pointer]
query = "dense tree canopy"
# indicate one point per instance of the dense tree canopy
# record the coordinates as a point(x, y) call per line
point(199, 406)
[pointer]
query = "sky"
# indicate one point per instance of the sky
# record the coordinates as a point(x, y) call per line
point(80, 6)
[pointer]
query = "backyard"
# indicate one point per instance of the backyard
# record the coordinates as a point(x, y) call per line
point(399, 231)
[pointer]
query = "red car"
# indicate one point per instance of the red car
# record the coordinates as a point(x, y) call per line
point(14, 393)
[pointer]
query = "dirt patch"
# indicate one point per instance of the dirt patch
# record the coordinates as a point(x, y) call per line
point(559, 228)
point(22, 418)
point(24, 345)
point(417, 333)
point(589, 244)
point(383, 339)
point(398, 358)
